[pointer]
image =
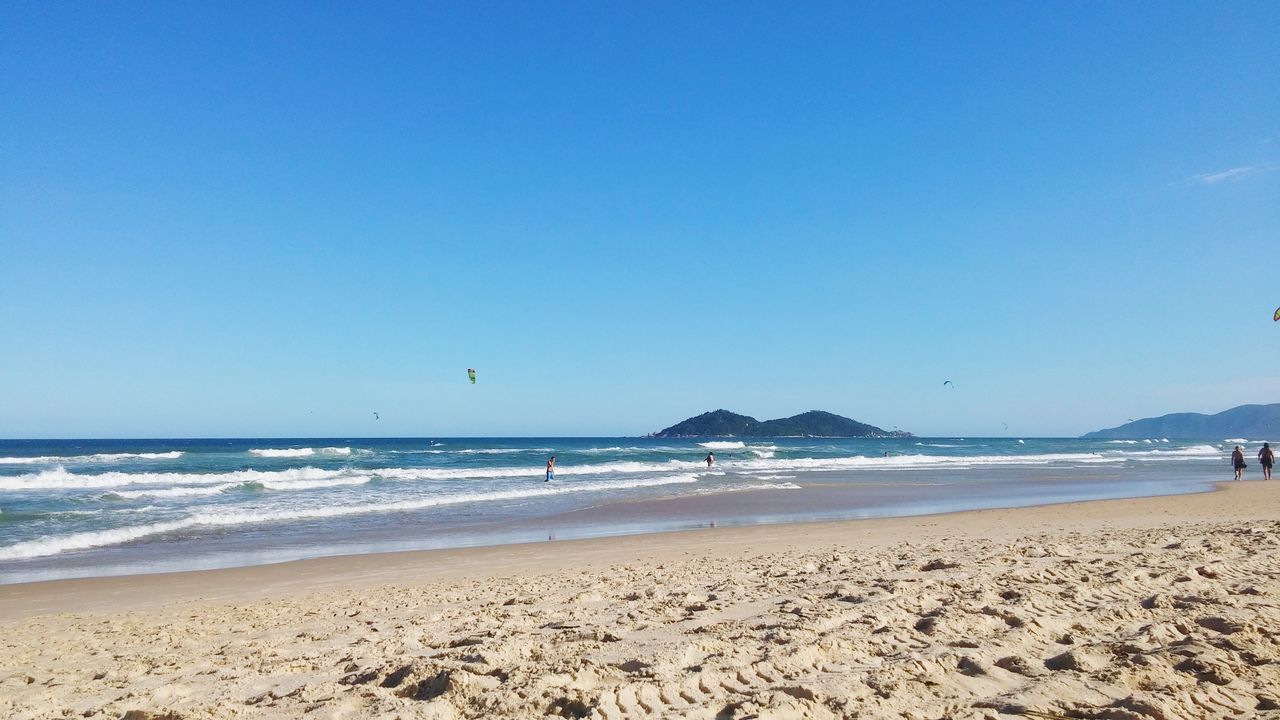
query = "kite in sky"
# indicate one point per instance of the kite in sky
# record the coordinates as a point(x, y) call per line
point(471, 373)
point(1277, 317)
point(375, 416)
point(948, 382)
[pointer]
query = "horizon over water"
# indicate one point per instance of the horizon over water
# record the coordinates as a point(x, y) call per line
point(76, 508)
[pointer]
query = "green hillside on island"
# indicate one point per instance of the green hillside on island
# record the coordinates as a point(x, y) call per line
point(815, 423)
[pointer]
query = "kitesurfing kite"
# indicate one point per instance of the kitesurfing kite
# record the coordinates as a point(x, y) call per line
point(948, 382)
point(471, 373)
point(375, 416)
point(1277, 317)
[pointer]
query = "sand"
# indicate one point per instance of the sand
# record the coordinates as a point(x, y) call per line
point(1148, 608)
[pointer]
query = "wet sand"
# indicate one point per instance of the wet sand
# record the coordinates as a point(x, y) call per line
point(1144, 608)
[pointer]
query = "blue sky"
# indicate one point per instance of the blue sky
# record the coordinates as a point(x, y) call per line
point(273, 219)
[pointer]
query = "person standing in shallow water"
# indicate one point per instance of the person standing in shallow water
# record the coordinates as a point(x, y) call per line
point(551, 469)
point(1237, 461)
point(711, 459)
point(1267, 457)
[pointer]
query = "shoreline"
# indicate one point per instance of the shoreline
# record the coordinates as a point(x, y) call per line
point(806, 497)
point(1146, 608)
point(144, 590)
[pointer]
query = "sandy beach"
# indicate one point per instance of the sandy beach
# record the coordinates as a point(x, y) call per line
point(1164, 607)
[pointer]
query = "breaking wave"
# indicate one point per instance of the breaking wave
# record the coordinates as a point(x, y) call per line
point(98, 457)
point(1191, 451)
point(61, 479)
point(271, 485)
point(116, 536)
point(284, 452)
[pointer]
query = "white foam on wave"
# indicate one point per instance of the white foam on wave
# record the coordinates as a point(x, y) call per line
point(103, 511)
point(116, 536)
point(99, 457)
point(110, 457)
point(60, 478)
point(336, 451)
point(1237, 441)
point(1122, 442)
point(1191, 451)
point(172, 492)
point(723, 445)
point(265, 484)
point(747, 487)
point(628, 450)
point(503, 451)
point(283, 452)
point(917, 461)
point(620, 467)
point(314, 484)
point(474, 451)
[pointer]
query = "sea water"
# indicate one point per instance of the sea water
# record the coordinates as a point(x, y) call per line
point(72, 508)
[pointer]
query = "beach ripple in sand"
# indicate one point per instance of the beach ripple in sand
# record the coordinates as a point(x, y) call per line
point(1172, 623)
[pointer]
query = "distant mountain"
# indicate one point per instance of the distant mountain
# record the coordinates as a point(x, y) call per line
point(815, 423)
point(1255, 422)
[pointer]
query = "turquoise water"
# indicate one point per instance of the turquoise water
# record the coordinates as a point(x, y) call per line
point(93, 507)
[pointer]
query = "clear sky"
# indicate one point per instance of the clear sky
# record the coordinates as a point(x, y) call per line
point(274, 219)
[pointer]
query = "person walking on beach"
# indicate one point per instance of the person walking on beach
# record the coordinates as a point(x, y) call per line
point(1237, 461)
point(711, 459)
point(551, 469)
point(1267, 457)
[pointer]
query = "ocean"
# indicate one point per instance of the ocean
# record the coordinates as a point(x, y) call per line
point(79, 508)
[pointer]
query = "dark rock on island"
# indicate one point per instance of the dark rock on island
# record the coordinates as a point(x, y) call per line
point(1245, 421)
point(815, 423)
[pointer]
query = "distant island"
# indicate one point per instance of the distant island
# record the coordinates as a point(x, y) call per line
point(815, 423)
point(1260, 422)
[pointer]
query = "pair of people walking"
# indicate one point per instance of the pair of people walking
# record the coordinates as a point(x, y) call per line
point(1266, 456)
